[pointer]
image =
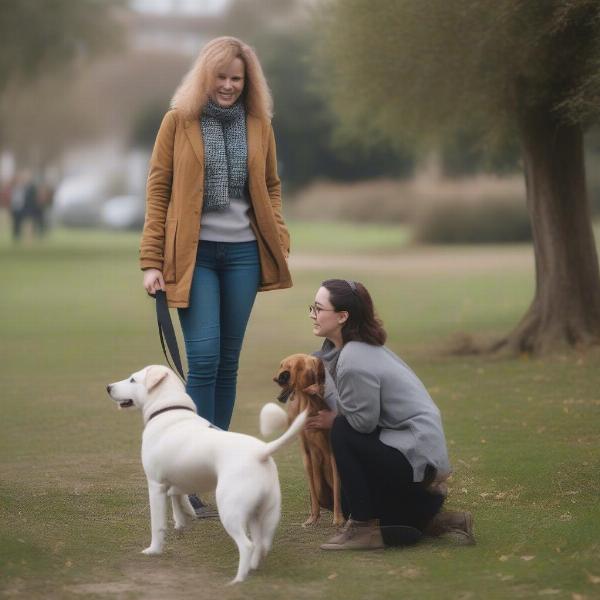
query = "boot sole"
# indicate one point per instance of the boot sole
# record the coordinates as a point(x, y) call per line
point(342, 547)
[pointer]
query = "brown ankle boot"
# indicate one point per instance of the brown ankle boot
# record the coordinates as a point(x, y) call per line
point(357, 535)
point(457, 525)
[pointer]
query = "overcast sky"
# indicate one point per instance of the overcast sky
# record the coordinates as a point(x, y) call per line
point(195, 7)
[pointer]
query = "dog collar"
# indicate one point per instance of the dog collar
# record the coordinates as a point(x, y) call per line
point(162, 410)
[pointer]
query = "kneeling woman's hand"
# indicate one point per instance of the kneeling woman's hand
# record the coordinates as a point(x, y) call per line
point(322, 420)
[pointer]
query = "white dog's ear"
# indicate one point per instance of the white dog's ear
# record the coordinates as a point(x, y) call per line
point(154, 377)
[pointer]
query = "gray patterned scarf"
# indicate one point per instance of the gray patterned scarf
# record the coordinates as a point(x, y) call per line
point(225, 154)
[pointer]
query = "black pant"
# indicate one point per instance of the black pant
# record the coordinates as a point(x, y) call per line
point(377, 480)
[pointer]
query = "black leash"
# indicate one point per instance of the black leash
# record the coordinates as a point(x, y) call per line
point(166, 331)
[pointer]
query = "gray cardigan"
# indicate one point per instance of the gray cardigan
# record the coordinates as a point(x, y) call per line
point(372, 387)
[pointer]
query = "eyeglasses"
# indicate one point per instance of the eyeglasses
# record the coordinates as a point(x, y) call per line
point(313, 309)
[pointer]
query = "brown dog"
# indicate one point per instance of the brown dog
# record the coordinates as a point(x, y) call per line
point(302, 378)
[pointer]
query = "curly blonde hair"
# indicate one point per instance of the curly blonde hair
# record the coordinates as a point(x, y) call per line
point(193, 92)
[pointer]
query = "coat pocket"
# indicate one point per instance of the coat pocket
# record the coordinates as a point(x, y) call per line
point(169, 266)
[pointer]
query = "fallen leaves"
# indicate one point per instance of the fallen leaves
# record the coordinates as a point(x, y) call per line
point(524, 557)
point(406, 571)
point(410, 572)
point(507, 495)
point(593, 578)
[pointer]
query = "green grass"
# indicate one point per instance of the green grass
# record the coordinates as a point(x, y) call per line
point(523, 434)
point(317, 237)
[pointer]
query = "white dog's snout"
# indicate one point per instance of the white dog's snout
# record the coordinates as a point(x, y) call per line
point(108, 388)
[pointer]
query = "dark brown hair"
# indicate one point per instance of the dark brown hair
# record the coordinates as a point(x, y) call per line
point(362, 324)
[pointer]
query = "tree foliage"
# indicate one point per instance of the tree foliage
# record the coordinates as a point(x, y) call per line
point(282, 34)
point(43, 35)
point(423, 70)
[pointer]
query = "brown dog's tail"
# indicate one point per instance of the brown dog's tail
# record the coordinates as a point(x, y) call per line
point(293, 430)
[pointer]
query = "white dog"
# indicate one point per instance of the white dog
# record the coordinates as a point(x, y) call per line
point(183, 455)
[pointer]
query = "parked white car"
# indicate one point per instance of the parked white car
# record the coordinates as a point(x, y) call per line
point(78, 201)
point(123, 212)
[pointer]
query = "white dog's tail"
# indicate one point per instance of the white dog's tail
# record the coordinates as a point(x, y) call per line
point(272, 418)
point(288, 436)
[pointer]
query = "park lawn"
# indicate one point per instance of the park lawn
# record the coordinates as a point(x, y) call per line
point(522, 433)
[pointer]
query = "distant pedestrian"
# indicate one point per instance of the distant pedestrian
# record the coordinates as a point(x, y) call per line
point(44, 200)
point(23, 202)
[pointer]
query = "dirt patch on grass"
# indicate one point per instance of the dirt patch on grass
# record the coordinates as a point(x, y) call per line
point(157, 582)
point(152, 581)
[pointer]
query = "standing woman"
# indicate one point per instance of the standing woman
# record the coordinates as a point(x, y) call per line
point(214, 233)
point(387, 437)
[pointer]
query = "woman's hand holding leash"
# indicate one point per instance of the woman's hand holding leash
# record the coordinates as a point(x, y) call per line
point(153, 281)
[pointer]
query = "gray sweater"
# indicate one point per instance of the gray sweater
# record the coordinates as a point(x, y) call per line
point(229, 225)
point(372, 387)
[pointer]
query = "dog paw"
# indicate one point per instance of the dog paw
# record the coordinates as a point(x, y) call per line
point(339, 521)
point(310, 522)
point(150, 551)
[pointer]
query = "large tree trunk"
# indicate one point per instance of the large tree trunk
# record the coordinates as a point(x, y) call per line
point(566, 306)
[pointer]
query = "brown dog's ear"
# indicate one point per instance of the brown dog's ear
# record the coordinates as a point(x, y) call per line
point(154, 377)
point(318, 374)
point(312, 390)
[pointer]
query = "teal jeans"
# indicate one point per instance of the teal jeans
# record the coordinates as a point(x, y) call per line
point(224, 286)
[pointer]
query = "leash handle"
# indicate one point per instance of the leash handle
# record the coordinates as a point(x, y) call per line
point(166, 332)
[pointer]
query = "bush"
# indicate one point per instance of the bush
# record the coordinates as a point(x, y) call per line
point(482, 209)
point(491, 220)
point(373, 201)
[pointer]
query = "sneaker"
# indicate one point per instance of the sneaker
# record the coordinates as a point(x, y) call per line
point(203, 511)
point(357, 535)
point(453, 524)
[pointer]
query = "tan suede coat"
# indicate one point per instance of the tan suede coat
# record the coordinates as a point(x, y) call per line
point(174, 199)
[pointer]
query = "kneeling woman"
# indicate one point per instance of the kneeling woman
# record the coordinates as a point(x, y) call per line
point(387, 437)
